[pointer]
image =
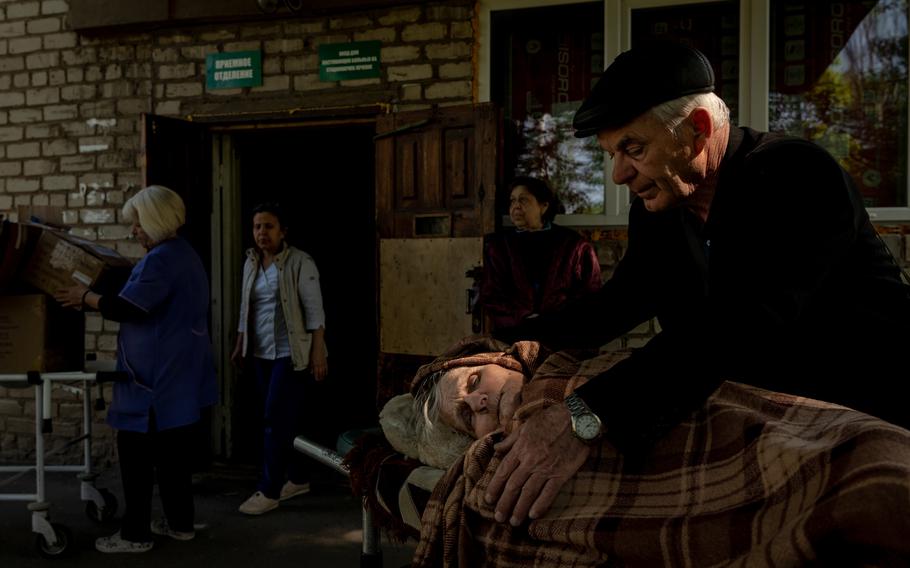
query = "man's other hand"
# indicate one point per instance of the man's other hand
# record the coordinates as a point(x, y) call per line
point(540, 457)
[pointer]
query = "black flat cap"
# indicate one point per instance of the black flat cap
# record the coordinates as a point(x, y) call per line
point(640, 79)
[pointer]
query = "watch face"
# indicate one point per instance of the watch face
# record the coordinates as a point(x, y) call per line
point(587, 426)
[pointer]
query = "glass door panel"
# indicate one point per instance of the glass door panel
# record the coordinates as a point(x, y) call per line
point(544, 62)
point(838, 76)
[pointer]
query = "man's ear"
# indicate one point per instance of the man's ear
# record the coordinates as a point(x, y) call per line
point(702, 127)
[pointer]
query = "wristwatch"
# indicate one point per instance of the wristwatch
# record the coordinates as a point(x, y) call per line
point(585, 424)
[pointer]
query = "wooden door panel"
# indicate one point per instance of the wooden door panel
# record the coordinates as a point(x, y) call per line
point(440, 162)
point(408, 166)
point(435, 186)
point(176, 154)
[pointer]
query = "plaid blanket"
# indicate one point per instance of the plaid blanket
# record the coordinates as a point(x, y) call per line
point(753, 478)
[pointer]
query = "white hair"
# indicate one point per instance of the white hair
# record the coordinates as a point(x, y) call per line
point(427, 400)
point(672, 113)
point(158, 210)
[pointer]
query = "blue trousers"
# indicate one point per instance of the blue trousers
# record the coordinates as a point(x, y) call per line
point(283, 392)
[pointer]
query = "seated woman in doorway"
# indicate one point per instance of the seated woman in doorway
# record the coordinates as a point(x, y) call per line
point(752, 474)
point(536, 267)
point(282, 326)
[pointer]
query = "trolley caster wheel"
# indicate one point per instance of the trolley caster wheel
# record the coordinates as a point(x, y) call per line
point(104, 513)
point(58, 549)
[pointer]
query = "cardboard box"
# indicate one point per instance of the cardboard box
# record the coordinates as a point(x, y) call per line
point(37, 334)
point(17, 242)
point(41, 215)
point(61, 260)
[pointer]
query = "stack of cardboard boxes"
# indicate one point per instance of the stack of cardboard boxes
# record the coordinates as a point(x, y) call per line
point(39, 258)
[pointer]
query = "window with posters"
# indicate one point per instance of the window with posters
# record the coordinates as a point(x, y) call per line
point(838, 76)
point(835, 72)
point(544, 62)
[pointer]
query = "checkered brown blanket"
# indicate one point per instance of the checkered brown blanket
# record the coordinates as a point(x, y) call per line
point(753, 478)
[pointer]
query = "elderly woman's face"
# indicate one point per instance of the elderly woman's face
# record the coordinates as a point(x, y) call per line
point(267, 232)
point(140, 235)
point(525, 211)
point(478, 400)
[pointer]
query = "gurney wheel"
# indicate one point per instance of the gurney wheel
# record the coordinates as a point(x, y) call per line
point(105, 513)
point(59, 548)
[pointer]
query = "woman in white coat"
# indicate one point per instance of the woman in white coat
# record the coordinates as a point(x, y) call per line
point(282, 327)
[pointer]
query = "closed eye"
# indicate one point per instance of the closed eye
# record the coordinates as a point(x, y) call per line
point(473, 382)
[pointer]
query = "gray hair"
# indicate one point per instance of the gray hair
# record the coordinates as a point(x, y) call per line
point(672, 113)
point(426, 401)
point(158, 210)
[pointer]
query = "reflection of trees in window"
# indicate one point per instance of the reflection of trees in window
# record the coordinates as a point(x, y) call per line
point(857, 105)
point(572, 166)
point(543, 63)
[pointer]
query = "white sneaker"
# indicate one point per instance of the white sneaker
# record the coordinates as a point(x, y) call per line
point(161, 528)
point(258, 504)
point(115, 544)
point(292, 489)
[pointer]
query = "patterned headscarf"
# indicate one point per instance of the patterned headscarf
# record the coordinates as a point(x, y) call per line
point(523, 357)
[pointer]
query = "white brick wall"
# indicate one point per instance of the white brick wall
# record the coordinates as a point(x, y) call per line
point(70, 106)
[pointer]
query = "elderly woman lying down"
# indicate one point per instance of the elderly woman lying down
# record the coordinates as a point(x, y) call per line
point(753, 478)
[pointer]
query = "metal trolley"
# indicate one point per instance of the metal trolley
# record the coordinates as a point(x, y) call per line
point(53, 539)
point(371, 550)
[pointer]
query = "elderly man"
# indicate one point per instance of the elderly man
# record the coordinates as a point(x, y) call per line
point(753, 251)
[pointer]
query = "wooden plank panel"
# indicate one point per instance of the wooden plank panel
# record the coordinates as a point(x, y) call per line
point(406, 171)
point(458, 169)
point(89, 14)
point(385, 181)
point(84, 14)
point(432, 189)
point(487, 152)
point(422, 293)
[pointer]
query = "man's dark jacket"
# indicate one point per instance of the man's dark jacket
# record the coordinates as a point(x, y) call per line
point(786, 286)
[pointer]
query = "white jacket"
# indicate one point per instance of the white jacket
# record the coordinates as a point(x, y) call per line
point(301, 299)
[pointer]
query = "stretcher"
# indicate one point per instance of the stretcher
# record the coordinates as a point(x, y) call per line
point(53, 539)
point(371, 550)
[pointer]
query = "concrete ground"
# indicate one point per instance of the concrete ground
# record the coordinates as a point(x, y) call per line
point(321, 529)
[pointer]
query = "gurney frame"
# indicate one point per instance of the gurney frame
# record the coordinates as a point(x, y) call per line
point(53, 539)
point(371, 550)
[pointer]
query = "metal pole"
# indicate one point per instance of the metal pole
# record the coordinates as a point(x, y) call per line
point(47, 410)
point(321, 454)
point(39, 442)
point(87, 425)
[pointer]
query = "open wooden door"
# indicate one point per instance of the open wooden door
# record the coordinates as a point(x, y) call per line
point(178, 155)
point(435, 199)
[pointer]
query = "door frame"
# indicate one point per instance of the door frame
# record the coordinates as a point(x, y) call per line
point(225, 229)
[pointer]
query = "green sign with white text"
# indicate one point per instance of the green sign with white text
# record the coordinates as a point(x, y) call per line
point(233, 70)
point(355, 60)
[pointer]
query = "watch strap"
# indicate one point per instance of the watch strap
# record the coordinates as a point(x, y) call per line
point(576, 405)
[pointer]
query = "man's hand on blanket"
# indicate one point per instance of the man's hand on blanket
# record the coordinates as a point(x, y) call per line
point(541, 456)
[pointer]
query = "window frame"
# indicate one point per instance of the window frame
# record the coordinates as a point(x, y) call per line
point(754, 83)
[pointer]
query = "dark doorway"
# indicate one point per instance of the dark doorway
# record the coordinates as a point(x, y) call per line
point(323, 177)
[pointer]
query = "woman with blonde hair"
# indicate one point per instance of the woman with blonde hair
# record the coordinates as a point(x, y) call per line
point(164, 348)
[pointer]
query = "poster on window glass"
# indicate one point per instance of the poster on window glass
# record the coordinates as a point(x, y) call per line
point(839, 77)
point(545, 62)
